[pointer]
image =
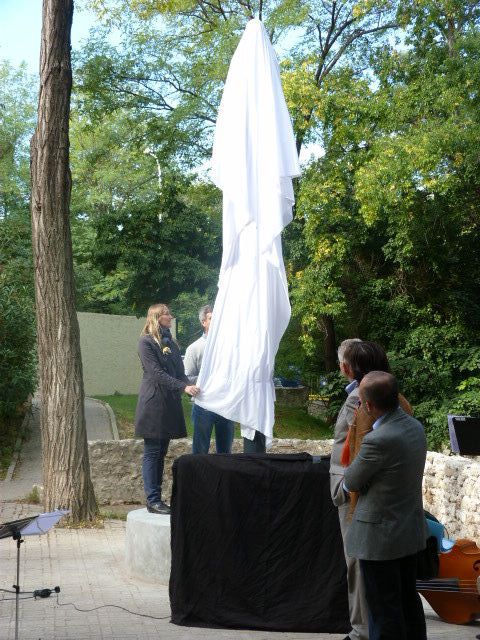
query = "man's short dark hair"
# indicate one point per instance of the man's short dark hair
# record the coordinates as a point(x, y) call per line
point(381, 390)
point(365, 356)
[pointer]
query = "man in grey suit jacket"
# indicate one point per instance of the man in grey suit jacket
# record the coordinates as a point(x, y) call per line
point(388, 526)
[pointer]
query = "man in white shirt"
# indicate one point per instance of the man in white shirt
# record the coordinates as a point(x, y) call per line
point(204, 420)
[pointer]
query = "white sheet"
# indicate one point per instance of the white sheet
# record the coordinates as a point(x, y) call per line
point(254, 158)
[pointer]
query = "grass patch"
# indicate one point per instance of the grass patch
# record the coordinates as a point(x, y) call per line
point(295, 422)
point(118, 511)
point(34, 496)
point(290, 422)
point(113, 515)
point(124, 410)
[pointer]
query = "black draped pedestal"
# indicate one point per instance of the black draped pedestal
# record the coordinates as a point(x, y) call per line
point(256, 544)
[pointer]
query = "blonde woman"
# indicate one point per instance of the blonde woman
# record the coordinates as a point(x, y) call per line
point(159, 413)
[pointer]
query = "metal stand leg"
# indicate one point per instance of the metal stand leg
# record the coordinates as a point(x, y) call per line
point(19, 540)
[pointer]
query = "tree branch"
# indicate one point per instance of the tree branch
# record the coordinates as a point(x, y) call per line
point(358, 33)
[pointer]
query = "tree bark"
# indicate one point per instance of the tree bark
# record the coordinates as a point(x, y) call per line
point(66, 469)
point(330, 343)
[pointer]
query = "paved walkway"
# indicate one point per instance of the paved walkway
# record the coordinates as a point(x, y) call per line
point(89, 567)
point(27, 471)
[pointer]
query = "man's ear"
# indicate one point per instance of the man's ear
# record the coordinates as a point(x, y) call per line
point(368, 406)
point(347, 370)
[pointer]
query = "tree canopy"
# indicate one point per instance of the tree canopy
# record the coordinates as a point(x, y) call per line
point(384, 244)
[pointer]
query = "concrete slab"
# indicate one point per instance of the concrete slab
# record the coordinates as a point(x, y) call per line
point(147, 546)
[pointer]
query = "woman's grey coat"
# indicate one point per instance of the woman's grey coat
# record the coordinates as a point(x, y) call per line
point(159, 411)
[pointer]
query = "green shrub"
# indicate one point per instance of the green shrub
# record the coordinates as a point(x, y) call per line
point(438, 376)
point(334, 390)
point(17, 347)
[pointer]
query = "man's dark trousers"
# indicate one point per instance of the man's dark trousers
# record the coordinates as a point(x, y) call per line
point(257, 445)
point(203, 423)
point(395, 608)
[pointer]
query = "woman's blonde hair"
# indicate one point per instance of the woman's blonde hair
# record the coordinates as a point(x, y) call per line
point(153, 316)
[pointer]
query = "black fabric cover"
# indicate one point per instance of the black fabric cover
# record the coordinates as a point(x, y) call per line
point(256, 544)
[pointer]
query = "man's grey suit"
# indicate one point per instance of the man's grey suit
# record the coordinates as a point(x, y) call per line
point(356, 596)
point(388, 521)
point(388, 526)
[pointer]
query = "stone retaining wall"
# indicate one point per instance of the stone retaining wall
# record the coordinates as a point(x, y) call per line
point(451, 491)
point(116, 465)
point(317, 409)
point(451, 483)
point(292, 396)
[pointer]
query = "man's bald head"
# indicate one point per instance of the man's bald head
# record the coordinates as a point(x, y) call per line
point(379, 392)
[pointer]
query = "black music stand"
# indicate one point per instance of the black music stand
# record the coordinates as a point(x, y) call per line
point(31, 526)
point(464, 434)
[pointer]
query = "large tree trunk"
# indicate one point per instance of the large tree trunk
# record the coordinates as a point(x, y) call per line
point(330, 343)
point(66, 469)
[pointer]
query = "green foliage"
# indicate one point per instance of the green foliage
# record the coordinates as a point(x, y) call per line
point(34, 496)
point(185, 308)
point(10, 431)
point(334, 391)
point(16, 250)
point(390, 214)
point(165, 246)
point(17, 342)
point(16, 125)
point(386, 232)
point(17, 315)
point(174, 56)
point(291, 361)
point(142, 231)
point(440, 374)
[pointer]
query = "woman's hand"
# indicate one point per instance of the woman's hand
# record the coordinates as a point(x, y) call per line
point(192, 390)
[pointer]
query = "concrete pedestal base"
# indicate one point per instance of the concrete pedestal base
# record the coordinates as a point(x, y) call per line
point(148, 554)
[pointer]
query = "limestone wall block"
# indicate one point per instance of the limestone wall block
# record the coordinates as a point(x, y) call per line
point(451, 484)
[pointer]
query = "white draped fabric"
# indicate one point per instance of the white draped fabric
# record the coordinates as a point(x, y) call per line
point(253, 162)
